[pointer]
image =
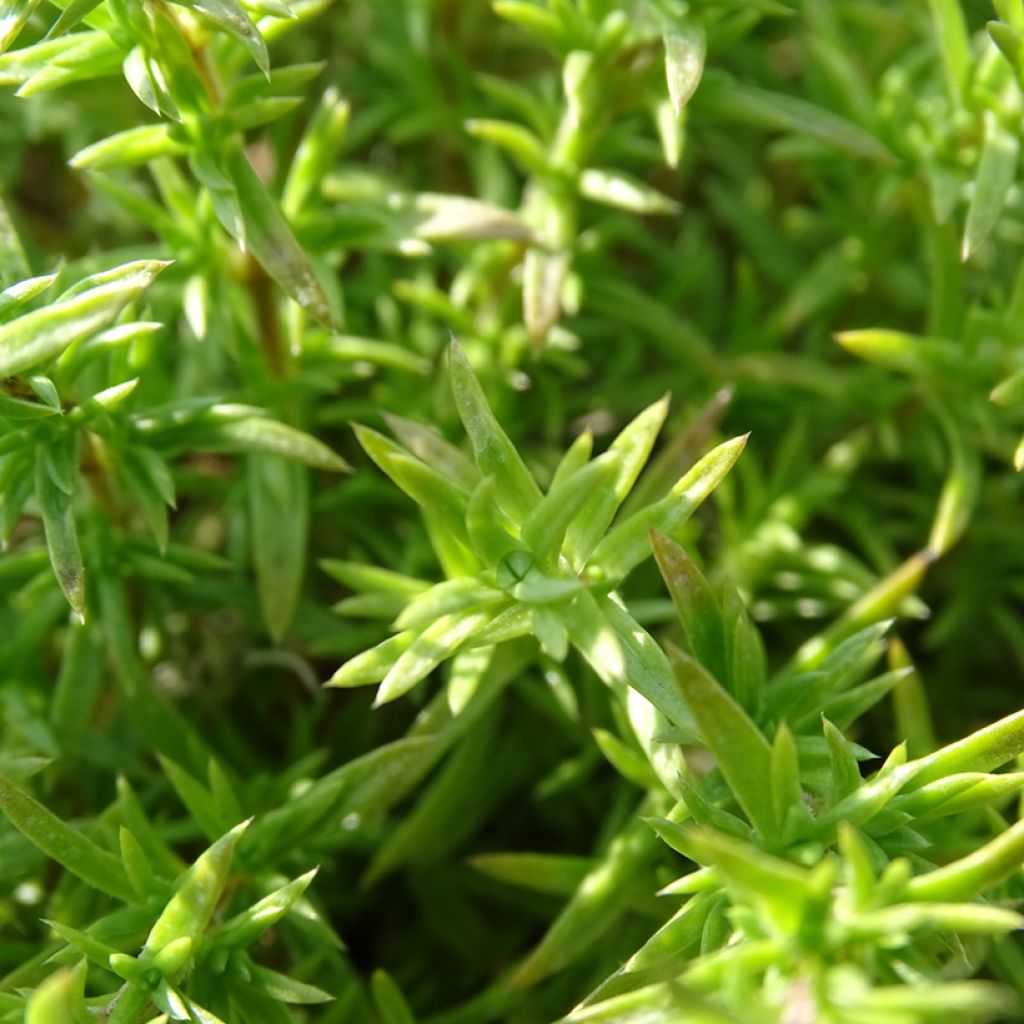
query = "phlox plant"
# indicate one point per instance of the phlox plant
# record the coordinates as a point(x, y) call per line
point(511, 512)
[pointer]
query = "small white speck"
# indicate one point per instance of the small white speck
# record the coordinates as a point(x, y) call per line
point(28, 894)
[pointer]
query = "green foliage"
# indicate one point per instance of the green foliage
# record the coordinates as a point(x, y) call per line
point(735, 284)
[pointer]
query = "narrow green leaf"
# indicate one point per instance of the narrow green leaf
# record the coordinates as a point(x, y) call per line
point(268, 237)
point(58, 999)
point(390, 1002)
point(196, 798)
point(516, 490)
point(120, 336)
point(695, 603)
point(785, 778)
point(633, 445)
point(373, 665)
point(951, 29)
point(844, 770)
point(317, 151)
point(958, 793)
point(82, 942)
point(781, 889)
point(347, 348)
point(728, 99)
point(845, 708)
point(535, 587)
point(56, 508)
point(910, 704)
point(685, 49)
point(189, 910)
point(137, 866)
point(17, 481)
point(997, 171)
point(858, 867)
point(623, 191)
point(256, 434)
point(370, 578)
point(628, 544)
point(550, 631)
point(982, 751)
point(468, 671)
point(428, 445)
point(555, 874)
point(46, 390)
point(103, 402)
point(278, 494)
point(670, 132)
point(437, 642)
point(1011, 11)
point(451, 804)
point(1011, 44)
point(896, 350)
point(263, 111)
point(15, 296)
point(13, 260)
point(44, 333)
point(1009, 391)
point(573, 499)
point(594, 908)
point(974, 874)
point(680, 452)
point(520, 142)
point(575, 457)
point(368, 784)
point(19, 769)
point(281, 988)
point(643, 664)
point(629, 763)
point(161, 859)
point(491, 534)
point(69, 848)
point(668, 1003)
point(75, 12)
point(877, 605)
point(864, 803)
point(246, 927)
point(230, 16)
point(132, 1000)
point(745, 655)
point(537, 20)
point(14, 14)
point(172, 960)
point(544, 278)
point(740, 748)
point(444, 599)
point(151, 502)
point(970, 1000)
point(703, 813)
point(456, 218)
point(157, 471)
point(673, 943)
point(129, 148)
point(431, 490)
point(959, 492)
point(179, 1007)
point(19, 409)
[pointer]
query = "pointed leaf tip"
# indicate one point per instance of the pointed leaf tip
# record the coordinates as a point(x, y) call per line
point(685, 52)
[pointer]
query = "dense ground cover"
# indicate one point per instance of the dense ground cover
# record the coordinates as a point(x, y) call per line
point(670, 616)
